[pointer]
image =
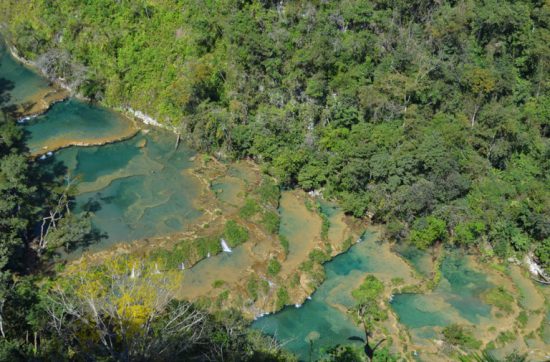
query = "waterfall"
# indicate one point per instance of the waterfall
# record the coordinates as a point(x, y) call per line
point(133, 274)
point(225, 247)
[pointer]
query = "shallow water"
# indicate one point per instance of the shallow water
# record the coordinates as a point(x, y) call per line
point(457, 298)
point(227, 267)
point(75, 122)
point(323, 318)
point(21, 82)
point(530, 297)
point(136, 188)
point(421, 260)
point(300, 226)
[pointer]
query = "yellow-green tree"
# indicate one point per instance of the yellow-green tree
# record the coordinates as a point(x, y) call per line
point(125, 307)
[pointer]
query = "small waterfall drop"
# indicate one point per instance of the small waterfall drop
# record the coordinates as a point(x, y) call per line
point(225, 247)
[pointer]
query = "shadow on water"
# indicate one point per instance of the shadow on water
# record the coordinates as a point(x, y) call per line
point(6, 86)
point(49, 174)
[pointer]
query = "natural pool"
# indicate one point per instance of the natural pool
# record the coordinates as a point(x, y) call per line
point(457, 295)
point(141, 188)
point(136, 188)
point(75, 122)
point(21, 82)
point(323, 319)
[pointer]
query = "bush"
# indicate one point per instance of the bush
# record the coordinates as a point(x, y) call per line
point(274, 267)
point(457, 335)
point(252, 288)
point(249, 209)
point(318, 256)
point(269, 192)
point(428, 230)
point(282, 297)
point(235, 234)
point(369, 291)
point(499, 298)
point(325, 227)
point(271, 222)
point(284, 243)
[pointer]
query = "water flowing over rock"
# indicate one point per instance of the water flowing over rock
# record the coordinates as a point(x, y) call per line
point(225, 247)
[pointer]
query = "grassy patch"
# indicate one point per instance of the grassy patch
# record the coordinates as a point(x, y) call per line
point(274, 267)
point(318, 256)
point(249, 209)
point(269, 192)
point(506, 337)
point(282, 297)
point(271, 222)
point(523, 318)
point(325, 226)
point(499, 298)
point(252, 288)
point(284, 243)
point(458, 335)
point(186, 250)
point(235, 234)
point(218, 283)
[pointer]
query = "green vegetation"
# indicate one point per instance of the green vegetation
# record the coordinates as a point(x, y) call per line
point(271, 221)
point(325, 227)
point(458, 335)
point(269, 192)
point(234, 233)
point(368, 302)
point(249, 209)
point(500, 298)
point(370, 290)
point(282, 297)
point(426, 231)
point(284, 243)
point(218, 283)
point(252, 288)
point(186, 251)
point(274, 267)
point(318, 256)
point(523, 318)
point(433, 118)
point(506, 336)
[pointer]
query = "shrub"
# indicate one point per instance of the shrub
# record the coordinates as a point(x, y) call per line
point(235, 234)
point(274, 267)
point(271, 222)
point(269, 192)
point(499, 298)
point(284, 243)
point(249, 209)
point(252, 287)
point(318, 256)
point(282, 297)
point(457, 335)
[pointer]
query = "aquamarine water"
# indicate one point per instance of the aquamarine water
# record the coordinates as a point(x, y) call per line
point(136, 188)
point(21, 82)
point(323, 318)
point(457, 298)
point(421, 260)
point(75, 122)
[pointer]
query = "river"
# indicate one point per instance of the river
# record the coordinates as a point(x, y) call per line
point(137, 186)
